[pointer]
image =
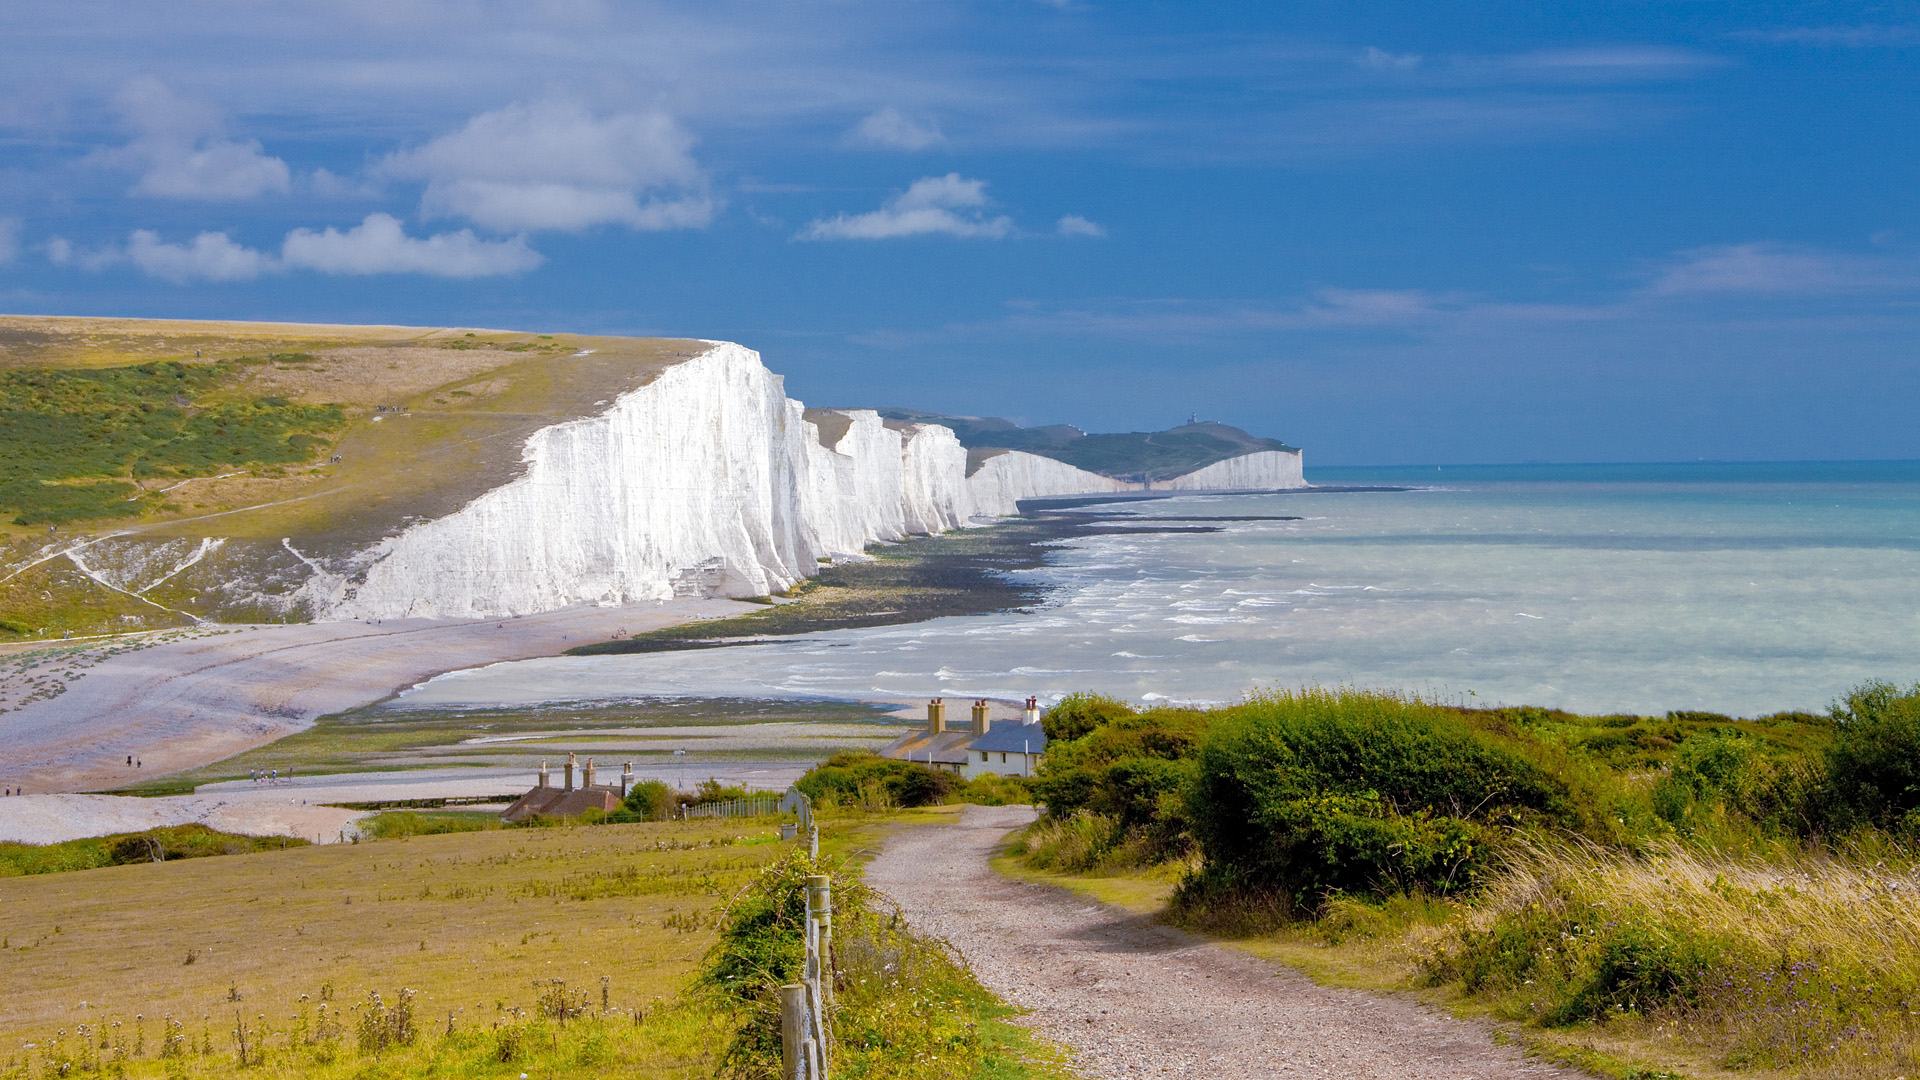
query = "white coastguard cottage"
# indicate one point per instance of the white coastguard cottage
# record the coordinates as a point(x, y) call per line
point(1008, 749)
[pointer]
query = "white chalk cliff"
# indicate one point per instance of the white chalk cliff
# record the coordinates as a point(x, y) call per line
point(708, 480)
point(1264, 470)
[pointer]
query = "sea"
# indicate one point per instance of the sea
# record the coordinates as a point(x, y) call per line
point(1736, 588)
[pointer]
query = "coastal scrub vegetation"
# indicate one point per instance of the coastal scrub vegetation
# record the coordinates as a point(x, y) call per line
point(153, 845)
point(73, 443)
point(1733, 892)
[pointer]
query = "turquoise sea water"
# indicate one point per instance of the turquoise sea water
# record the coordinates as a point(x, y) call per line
point(1736, 588)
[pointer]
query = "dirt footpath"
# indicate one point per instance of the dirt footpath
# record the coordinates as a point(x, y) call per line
point(1134, 998)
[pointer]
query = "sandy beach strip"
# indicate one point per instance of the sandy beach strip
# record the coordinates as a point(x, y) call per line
point(194, 700)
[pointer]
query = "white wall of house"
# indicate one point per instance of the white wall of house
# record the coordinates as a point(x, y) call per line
point(1009, 763)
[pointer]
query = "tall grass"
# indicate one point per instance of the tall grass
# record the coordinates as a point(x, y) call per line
point(902, 1004)
point(557, 1031)
point(1790, 960)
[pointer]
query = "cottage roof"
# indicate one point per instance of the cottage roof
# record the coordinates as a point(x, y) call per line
point(948, 747)
point(557, 802)
point(1012, 739)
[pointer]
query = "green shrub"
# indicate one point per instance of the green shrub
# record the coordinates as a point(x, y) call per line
point(163, 844)
point(396, 824)
point(1123, 766)
point(1077, 714)
point(993, 789)
point(1873, 765)
point(865, 779)
point(1303, 795)
point(651, 800)
point(1076, 843)
point(711, 790)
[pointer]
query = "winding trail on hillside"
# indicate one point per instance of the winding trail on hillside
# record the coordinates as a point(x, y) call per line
point(1134, 998)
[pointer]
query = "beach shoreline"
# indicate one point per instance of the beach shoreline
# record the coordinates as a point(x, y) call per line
point(121, 716)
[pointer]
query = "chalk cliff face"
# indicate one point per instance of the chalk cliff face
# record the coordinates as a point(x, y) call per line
point(709, 480)
point(1005, 479)
point(1267, 470)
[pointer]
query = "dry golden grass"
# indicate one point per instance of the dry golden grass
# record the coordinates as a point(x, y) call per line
point(495, 944)
point(468, 920)
point(1793, 901)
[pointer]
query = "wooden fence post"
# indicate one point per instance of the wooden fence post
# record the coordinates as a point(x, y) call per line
point(794, 1058)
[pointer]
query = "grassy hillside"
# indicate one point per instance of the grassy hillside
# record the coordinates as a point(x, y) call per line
point(552, 951)
point(331, 436)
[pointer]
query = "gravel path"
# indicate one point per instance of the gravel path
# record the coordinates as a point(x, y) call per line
point(1134, 998)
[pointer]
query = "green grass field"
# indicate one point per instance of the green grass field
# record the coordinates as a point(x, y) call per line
point(538, 951)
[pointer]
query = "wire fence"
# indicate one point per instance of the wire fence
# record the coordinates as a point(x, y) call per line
point(751, 806)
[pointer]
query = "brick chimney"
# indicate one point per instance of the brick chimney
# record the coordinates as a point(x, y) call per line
point(936, 716)
point(586, 779)
point(1033, 711)
point(569, 770)
point(981, 722)
point(626, 780)
point(543, 774)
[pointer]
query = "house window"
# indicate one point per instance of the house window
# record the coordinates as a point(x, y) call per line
point(1003, 758)
point(983, 755)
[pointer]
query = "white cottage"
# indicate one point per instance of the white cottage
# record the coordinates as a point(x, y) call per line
point(1011, 749)
point(1006, 749)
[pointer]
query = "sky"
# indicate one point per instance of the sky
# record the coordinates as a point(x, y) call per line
point(1389, 233)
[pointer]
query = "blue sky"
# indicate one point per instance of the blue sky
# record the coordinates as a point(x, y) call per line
point(1400, 233)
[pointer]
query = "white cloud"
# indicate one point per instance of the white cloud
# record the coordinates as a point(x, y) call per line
point(181, 148)
point(380, 245)
point(895, 130)
point(1075, 225)
point(212, 256)
point(553, 165)
point(1383, 60)
point(1759, 268)
point(949, 204)
point(9, 239)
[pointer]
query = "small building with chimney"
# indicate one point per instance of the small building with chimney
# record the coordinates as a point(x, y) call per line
point(545, 800)
point(1006, 749)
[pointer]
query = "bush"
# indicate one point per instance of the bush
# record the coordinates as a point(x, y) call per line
point(1318, 792)
point(163, 844)
point(1873, 764)
point(651, 800)
point(401, 823)
point(1077, 714)
point(874, 781)
point(1714, 771)
point(993, 789)
point(1123, 767)
point(711, 790)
